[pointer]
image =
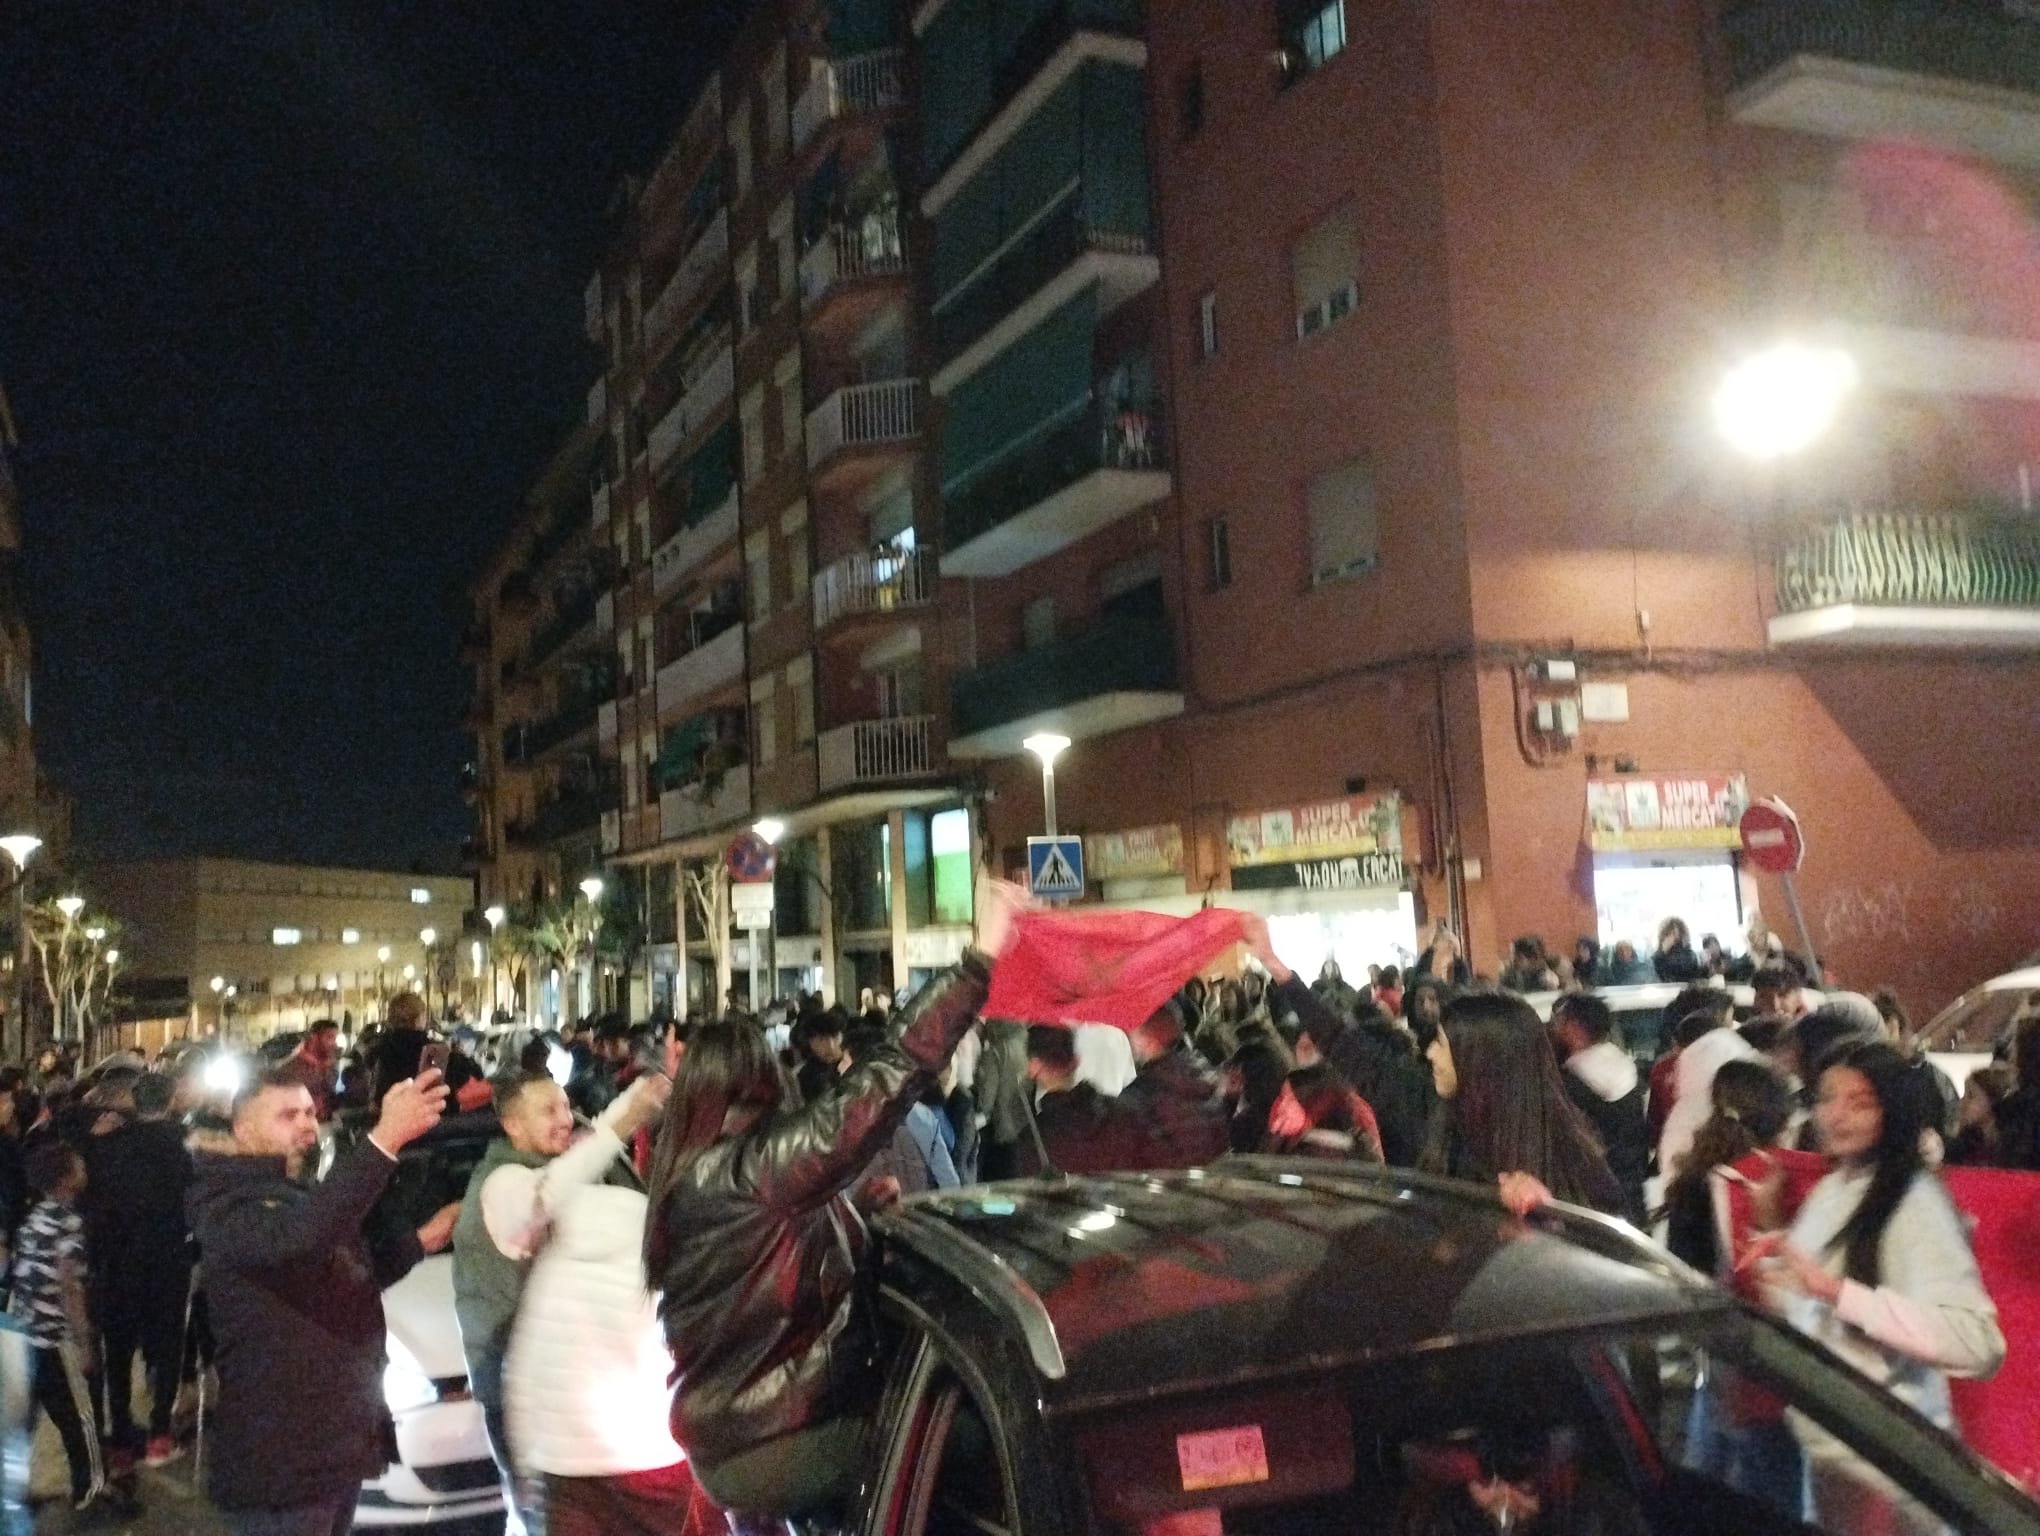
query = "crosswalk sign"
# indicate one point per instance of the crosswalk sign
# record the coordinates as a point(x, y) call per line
point(1055, 866)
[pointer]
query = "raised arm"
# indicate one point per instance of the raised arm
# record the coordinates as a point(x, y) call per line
point(520, 1204)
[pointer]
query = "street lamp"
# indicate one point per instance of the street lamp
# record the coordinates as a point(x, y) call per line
point(1047, 746)
point(1781, 401)
point(20, 847)
point(771, 829)
point(592, 889)
point(494, 916)
point(70, 906)
point(219, 987)
point(382, 996)
point(427, 937)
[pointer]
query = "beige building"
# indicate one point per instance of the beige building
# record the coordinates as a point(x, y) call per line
point(288, 943)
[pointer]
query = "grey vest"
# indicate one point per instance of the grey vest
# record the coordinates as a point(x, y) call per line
point(487, 1283)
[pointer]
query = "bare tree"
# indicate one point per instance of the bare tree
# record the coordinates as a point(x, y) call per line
point(708, 883)
point(71, 951)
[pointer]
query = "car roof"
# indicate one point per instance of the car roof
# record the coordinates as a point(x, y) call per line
point(1130, 1284)
point(2011, 981)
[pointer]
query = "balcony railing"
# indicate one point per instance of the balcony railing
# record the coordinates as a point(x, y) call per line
point(693, 543)
point(1101, 435)
point(866, 583)
point(870, 82)
point(691, 808)
point(708, 256)
point(571, 813)
point(598, 506)
point(876, 751)
point(576, 613)
point(716, 661)
point(598, 402)
point(863, 416)
point(869, 246)
point(708, 391)
point(1912, 561)
point(1023, 269)
point(1978, 42)
point(1114, 655)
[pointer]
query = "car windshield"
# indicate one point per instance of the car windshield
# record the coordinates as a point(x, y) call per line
point(1661, 1430)
point(1978, 1021)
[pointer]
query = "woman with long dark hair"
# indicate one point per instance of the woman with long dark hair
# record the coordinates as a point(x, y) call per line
point(1509, 1112)
point(1878, 1268)
point(755, 1246)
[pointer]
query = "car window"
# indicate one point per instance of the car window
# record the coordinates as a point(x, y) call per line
point(1659, 1432)
point(945, 1472)
point(1978, 1021)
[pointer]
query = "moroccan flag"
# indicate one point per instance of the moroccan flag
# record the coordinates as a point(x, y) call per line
point(1095, 967)
point(2000, 1418)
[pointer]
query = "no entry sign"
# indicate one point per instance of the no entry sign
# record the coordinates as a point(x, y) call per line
point(1771, 839)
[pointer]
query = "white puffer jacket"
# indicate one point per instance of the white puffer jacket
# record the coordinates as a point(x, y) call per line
point(585, 1382)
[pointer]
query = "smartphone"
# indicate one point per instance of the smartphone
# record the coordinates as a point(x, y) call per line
point(435, 1057)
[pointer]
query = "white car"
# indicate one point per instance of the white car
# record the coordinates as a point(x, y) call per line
point(1960, 1038)
point(444, 1479)
point(1639, 1011)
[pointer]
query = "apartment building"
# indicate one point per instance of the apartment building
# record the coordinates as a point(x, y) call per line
point(1309, 410)
point(18, 783)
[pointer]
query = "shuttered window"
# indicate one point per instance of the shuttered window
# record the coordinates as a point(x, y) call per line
point(1325, 272)
point(1344, 527)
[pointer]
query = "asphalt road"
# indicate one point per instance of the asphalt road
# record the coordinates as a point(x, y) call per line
point(171, 1506)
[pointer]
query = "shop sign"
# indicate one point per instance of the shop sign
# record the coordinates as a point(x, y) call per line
point(929, 949)
point(1643, 811)
point(1139, 854)
point(1381, 870)
point(1325, 829)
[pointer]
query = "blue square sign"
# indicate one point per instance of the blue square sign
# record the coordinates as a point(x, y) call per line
point(1055, 866)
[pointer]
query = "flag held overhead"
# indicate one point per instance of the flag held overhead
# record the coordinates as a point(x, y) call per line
point(1103, 967)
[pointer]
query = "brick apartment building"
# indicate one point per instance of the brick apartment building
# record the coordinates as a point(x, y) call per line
point(1307, 409)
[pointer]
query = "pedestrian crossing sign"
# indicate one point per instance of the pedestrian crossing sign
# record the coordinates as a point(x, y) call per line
point(1055, 866)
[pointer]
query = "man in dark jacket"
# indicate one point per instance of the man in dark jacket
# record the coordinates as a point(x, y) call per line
point(294, 1288)
point(1084, 1130)
point(1178, 1103)
point(141, 1261)
point(1601, 1078)
point(1378, 1061)
point(999, 1095)
point(401, 1050)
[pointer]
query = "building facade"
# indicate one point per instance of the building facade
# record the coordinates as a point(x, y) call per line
point(19, 788)
point(287, 943)
point(1307, 408)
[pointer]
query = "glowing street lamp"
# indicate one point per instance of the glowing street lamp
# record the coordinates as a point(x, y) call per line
point(20, 847)
point(592, 889)
point(771, 829)
point(1048, 746)
point(495, 917)
point(70, 906)
point(1783, 400)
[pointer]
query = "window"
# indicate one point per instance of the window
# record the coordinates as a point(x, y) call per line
point(1207, 324)
point(350, 935)
point(765, 720)
point(1190, 101)
point(1344, 536)
point(773, 90)
point(740, 153)
point(788, 256)
point(1324, 267)
point(648, 644)
point(752, 415)
point(786, 378)
point(793, 529)
point(283, 938)
point(748, 309)
point(800, 683)
point(758, 576)
point(420, 896)
point(1313, 33)
point(1037, 623)
point(1218, 554)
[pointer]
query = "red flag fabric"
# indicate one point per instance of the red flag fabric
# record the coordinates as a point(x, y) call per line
point(2000, 1418)
point(1099, 967)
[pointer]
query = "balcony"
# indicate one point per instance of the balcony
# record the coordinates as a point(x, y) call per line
point(612, 831)
point(1075, 478)
point(693, 544)
point(710, 389)
point(1964, 74)
point(569, 813)
point(864, 584)
point(863, 417)
point(1109, 676)
point(842, 88)
point(707, 259)
point(598, 506)
point(1955, 582)
point(877, 752)
point(575, 615)
point(715, 663)
point(857, 250)
point(690, 808)
point(598, 402)
point(1051, 262)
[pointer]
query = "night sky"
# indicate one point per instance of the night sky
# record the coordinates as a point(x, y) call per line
point(290, 305)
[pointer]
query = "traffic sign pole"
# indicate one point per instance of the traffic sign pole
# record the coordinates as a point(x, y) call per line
point(1773, 842)
point(1799, 922)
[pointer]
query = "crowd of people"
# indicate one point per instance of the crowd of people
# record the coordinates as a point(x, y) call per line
point(693, 1255)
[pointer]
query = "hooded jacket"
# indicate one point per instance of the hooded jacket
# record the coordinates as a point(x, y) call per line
point(1179, 1104)
point(1603, 1081)
point(294, 1289)
point(759, 1245)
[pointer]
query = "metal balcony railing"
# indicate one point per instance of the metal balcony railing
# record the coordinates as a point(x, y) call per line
point(861, 246)
point(867, 583)
point(863, 416)
point(1114, 655)
point(575, 614)
point(1978, 42)
point(710, 388)
point(870, 82)
point(1911, 560)
point(876, 751)
point(1100, 434)
point(707, 258)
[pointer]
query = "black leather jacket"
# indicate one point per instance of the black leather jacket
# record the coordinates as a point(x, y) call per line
point(758, 1284)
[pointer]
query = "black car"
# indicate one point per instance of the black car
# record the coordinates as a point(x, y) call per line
point(1280, 1346)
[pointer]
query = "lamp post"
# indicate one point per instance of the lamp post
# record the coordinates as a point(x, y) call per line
point(494, 917)
point(1048, 747)
point(20, 847)
point(427, 937)
point(70, 906)
point(382, 997)
point(219, 987)
point(591, 888)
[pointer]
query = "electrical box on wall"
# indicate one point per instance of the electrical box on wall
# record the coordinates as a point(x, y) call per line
point(1604, 703)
